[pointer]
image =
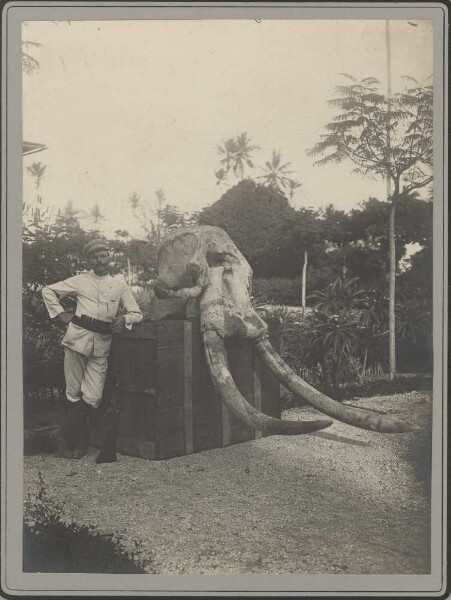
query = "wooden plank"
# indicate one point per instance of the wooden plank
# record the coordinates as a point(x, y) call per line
point(270, 391)
point(135, 447)
point(144, 330)
point(127, 445)
point(125, 365)
point(163, 308)
point(171, 444)
point(145, 367)
point(132, 416)
point(207, 432)
point(188, 384)
point(170, 333)
point(170, 363)
point(171, 417)
point(239, 356)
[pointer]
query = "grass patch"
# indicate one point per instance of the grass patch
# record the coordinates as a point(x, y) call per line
point(51, 545)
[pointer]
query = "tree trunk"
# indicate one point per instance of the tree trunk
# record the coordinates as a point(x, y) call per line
point(365, 358)
point(304, 280)
point(344, 268)
point(391, 224)
point(129, 272)
point(392, 289)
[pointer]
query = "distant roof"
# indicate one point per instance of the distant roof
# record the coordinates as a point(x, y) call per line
point(30, 147)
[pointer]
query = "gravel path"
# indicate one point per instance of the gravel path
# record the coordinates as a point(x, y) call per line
point(340, 501)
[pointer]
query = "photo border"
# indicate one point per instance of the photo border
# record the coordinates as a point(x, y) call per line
point(16, 583)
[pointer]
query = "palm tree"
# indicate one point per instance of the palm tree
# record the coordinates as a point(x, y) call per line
point(236, 156)
point(293, 185)
point(134, 201)
point(96, 214)
point(160, 199)
point(242, 155)
point(37, 171)
point(276, 175)
point(227, 150)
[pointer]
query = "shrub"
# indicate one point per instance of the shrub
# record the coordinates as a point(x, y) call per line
point(367, 389)
point(296, 335)
point(42, 350)
point(308, 347)
point(52, 545)
point(385, 387)
point(277, 290)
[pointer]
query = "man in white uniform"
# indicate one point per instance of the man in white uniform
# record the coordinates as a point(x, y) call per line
point(88, 338)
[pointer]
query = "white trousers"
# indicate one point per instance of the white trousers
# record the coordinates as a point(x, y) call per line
point(85, 376)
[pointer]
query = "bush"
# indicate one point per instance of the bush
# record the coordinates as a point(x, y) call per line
point(367, 389)
point(296, 336)
point(52, 545)
point(303, 350)
point(42, 350)
point(277, 290)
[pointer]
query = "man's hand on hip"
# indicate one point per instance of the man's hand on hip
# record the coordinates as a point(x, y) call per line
point(66, 317)
point(118, 325)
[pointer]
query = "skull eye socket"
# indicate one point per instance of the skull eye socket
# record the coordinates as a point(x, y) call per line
point(221, 259)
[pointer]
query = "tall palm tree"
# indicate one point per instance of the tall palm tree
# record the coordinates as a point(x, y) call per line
point(37, 171)
point(160, 199)
point(293, 185)
point(134, 201)
point(236, 156)
point(227, 150)
point(276, 172)
point(242, 156)
point(96, 214)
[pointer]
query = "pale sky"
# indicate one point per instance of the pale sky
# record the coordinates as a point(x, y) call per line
point(135, 106)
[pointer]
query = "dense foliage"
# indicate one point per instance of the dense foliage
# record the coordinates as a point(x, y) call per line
point(343, 341)
point(387, 137)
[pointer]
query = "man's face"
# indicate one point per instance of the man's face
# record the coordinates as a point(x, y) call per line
point(98, 261)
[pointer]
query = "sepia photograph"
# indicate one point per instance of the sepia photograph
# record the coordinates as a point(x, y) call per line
point(230, 302)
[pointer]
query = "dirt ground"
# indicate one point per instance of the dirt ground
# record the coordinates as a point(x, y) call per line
point(343, 500)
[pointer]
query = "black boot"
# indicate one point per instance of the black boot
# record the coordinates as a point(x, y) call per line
point(107, 452)
point(67, 436)
point(82, 442)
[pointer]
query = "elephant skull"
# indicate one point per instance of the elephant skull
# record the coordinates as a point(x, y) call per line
point(202, 262)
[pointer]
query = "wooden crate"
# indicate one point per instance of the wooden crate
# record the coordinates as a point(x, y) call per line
point(168, 405)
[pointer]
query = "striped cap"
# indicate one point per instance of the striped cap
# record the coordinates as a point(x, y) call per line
point(94, 246)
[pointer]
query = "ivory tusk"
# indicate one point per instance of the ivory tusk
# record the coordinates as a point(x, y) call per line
point(215, 354)
point(346, 414)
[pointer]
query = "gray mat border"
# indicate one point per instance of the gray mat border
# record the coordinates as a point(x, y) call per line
point(13, 580)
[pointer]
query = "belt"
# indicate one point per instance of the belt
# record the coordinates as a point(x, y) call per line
point(92, 324)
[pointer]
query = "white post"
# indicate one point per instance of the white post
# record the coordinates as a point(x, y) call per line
point(304, 280)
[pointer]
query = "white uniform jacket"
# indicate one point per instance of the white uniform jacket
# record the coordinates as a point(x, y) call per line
point(97, 297)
